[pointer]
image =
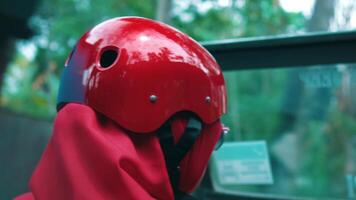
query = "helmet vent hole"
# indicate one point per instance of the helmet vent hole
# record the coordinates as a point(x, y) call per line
point(108, 57)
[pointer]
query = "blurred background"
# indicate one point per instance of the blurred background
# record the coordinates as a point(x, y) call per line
point(295, 108)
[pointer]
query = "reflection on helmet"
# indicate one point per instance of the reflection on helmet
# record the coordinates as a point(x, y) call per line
point(139, 73)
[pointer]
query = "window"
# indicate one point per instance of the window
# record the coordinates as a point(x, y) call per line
point(292, 118)
point(307, 118)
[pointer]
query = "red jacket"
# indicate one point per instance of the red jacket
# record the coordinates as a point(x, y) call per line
point(91, 157)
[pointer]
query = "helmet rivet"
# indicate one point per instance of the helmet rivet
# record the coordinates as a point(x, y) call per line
point(153, 98)
point(207, 99)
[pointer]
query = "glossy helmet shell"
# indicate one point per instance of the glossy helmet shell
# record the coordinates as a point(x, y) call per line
point(140, 72)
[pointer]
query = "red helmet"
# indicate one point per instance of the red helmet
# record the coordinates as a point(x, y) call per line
point(139, 73)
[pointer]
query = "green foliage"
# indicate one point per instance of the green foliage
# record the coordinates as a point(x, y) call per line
point(252, 18)
point(215, 24)
point(61, 23)
point(269, 18)
point(254, 98)
point(20, 95)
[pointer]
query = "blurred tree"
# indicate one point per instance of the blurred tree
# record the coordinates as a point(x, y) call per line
point(14, 20)
point(164, 10)
point(322, 16)
point(297, 99)
point(61, 22)
point(245, 19)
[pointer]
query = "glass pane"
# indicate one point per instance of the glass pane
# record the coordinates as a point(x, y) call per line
point(307, 117)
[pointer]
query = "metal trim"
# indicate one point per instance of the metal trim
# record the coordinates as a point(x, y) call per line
point(284, 51)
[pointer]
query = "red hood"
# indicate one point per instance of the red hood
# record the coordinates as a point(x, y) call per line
point(91, 157)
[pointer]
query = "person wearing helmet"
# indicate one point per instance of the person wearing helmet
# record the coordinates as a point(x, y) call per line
point(139, 110)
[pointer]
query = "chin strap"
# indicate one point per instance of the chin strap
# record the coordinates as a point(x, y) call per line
point(174, 153)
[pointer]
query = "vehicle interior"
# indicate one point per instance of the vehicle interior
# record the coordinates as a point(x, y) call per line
point(290, 76)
